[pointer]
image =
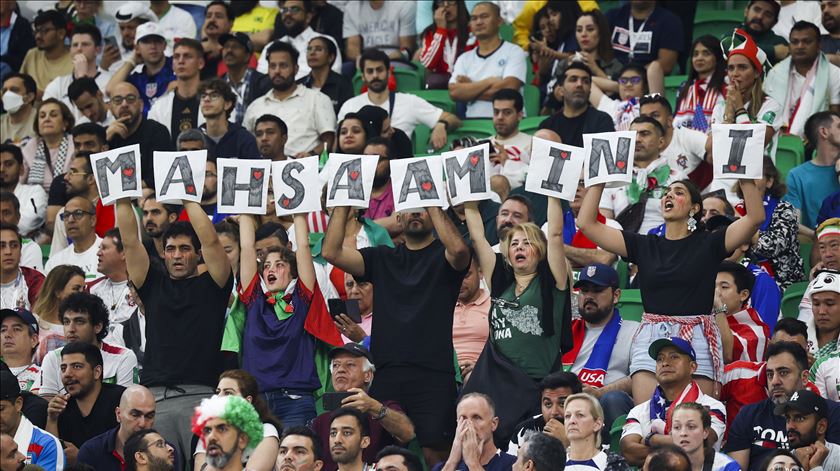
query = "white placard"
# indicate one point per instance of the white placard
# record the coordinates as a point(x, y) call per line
point(554, 169)
point(117, 173)
point(350, 179)
point(738, 151)
point(418, 183)
point(609, 158)
point(297, 188)
point(467, 174)
point(242, 186)
point(179, 176)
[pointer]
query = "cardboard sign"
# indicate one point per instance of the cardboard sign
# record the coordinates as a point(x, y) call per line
point(609, 158)
point(466, 174)
point(350, 179)
point(297, 188)
point(554, 169)
point(117, 173)
point(418, 183)
point(738, 151)
point(242, 185)
point(179, 176)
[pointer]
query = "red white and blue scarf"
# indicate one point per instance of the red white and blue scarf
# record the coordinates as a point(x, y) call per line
point(595, 370)
point(660, 408)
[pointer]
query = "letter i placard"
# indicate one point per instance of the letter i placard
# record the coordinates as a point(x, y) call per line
point(738, 151)
point(117, 173)
point(554, 169)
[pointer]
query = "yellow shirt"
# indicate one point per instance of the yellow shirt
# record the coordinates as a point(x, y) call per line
point(43, 71)
point(256, 20)
point(522, 24)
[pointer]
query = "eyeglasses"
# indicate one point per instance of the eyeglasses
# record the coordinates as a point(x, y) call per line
point(629, 80)
point(75, 215)
point(156, 444)
point(292, 10)
point(212, 96)
point(130, 99)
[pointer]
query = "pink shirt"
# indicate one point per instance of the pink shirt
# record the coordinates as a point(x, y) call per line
point(381, 206)
point(365, 325)
point(470, 327)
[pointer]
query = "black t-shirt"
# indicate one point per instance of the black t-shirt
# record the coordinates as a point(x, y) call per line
point(151, 136)
point(76, 429)
point(184, 116)
point(677, 277)
point(829, 45)
point(414, 295)
point(526, 427)
point(571, 130)
point(58, 192)
point(185, 320)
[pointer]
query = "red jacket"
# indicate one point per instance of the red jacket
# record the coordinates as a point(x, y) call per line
point(34, 279)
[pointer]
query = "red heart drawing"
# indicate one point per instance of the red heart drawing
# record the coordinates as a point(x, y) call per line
point(191, 189)
point(733, 167)
point(128, 172)
point(426, 186)
point(564, 155)
point(258, 174)
point(474, 160)
point(285, 202)
point(620, 164)
point(354, 175)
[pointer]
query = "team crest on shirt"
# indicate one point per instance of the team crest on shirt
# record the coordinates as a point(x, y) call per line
point(769, 117)
point(590, 271)
point(502, 62)
point(151, 89)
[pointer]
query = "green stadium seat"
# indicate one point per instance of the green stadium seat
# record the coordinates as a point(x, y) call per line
point(506, 32)
point(630, 305)
point(531, 124)
point(407, 80)
point(791, 299)
point(615, 433)
point(532, 100)
point(420, 138)
point(805, 253)
point(477, 128)
point(789, 153)
point(439, 98)
point(672, 86)
point(718, 23)
point(623, 270)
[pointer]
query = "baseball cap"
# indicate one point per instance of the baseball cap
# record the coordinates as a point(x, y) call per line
point(147, 30)
point(133, 11)
point(9, 387)
point(27, 317)
point(239, 37)
point(826, 281)
point(805, 401)
point(352, 348)
point(675, 342)
point(598, 274)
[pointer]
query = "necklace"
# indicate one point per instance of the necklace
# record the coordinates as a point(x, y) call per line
point(116, 300)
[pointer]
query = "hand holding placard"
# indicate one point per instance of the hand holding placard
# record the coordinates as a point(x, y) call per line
point(738, 151)
point(179, 176)
point(350, 179)
point(554, 169)
point(242, 186)
point(418, 183)
point(609, 158)
point(297, 187)
point(466, 174)
point(117, 173)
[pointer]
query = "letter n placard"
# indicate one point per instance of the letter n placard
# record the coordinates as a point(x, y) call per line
point(609, 158)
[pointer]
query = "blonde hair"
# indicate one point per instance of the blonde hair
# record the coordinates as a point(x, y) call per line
point(595, 411)
point(533, 234)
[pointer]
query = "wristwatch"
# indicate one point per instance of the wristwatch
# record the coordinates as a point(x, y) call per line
point(383, 411)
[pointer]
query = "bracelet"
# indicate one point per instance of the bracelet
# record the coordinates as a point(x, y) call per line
point(720, 310)
point(647, 439)
point(445, 124)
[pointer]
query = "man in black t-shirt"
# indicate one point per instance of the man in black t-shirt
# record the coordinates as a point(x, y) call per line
point(555, 388)
point(185, 312)
point(416, 286)
point(576, 117)
point(830, 43)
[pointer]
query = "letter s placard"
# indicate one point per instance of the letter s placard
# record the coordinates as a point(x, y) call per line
point(297, 187)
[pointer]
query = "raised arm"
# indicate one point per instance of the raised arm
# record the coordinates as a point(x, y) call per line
point(606, 237)
point(247, 252)
point(457, 252)
point(741, 231)
point(333, 249)
point(556, 248)
point(483, 250)
point(303, 255)
point(136, 258)
point(211, 248)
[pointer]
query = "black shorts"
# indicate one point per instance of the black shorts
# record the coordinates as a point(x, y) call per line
point(427, 397)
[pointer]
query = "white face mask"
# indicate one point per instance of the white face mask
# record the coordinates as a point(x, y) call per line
point(12, 101)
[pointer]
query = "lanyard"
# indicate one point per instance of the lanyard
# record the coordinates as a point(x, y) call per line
point(631, 25)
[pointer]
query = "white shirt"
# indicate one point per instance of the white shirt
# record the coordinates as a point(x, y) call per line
point(307, 113)
point(58, 89)
point(33, 206)
point(161, 111)
point(176, 23)
point(799, 85)
point(825, 374)
point(87, 260)
point(686, 150)
point(798, 11)
point(31, 255)
point(597, 462)
point(509, 60)
point(639, 423)
point(380, 28)
point(301, 43)
point(518, 149)
point(119, 367)
point(117, 298)
point(832, 461)
point(409, 110)
point(619, 364)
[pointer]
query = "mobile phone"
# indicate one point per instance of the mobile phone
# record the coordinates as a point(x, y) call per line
point(111, 41)
point(349, 307)
point(332, 400)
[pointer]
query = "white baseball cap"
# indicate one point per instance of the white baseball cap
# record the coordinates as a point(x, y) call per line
point(132, 11)
point(148, 29)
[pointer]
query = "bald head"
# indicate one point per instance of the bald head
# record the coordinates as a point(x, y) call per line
point(126, 104)
point(136, 410)
point(548, 135)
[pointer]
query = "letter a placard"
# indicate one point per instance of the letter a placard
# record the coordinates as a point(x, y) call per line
point(738, 151)
point(242, 185)
point(297, 188)
point(466, 174)
point(418, 183)
point(554, 169)
point(350, 179)
point(179, 176)
point(609, 158)
point(117, 173)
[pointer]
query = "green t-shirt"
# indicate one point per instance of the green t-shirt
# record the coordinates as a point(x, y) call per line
point(516, 331)
point(767, 42)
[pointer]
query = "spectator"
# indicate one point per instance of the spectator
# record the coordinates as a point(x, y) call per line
point(473, 446)
point(757, 424)
point(85, 46)
point(87, 99)
point(308, 113)
point(554, 389)
point(31, 215)
point(20, 284)
point(716, 204)
point(480, 73)
point(811, 182)
point(148, 69)
point(296, 16)
point(157, 218)
point(806, 416)
point(129, 16)
point(795, 88)
point(513, 146)
point(300, 448)
point(88, 12)
point(12, 458)
point(247, 83)
point(41, 447)
point(271, 133)
point(113, 288)
point(229, 427)
point(363, 292)
point(20, 34)
point(352, 136)
point(539, 453)
point(395, 458)
point(50, 58)
point(557, 39)
point(378, 124)
point(136, 411)
point(254, 20)
point(218, 19)
point(637, 206)
point(471, 325)
point(20, 338)
point(778, 458)
point(443, 41)
point(667, 457)
point(87, 407)
point(175, 23)
point(132, 127)
point(228, 231)
point(794, 11)
point(654, 41)
point(579, 249)
point(759, 18)
point(585, 420)
point(830, 42)
point(349, 437)
point(79, 218)
point(386, 26)
point(19, 93)
point(683, 147)
point(178, 109)
point(577, 116)
point(30, 252)
point(824, 372)
point(48, 155)
point(191, 140)
point(691, 429)
point(743, 332)
point(321, 53)
point(58, 285)
point(146, 450)
point(703, 91)
point(649, 423)
point(381, 207)
point(632, 85)
point(230, 140)
point(824, 291)
point(515, 210)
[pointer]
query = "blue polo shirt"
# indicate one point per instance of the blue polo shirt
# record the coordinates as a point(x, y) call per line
point(152, 87)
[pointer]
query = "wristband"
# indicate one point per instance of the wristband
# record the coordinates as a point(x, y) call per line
point(647, 439)
point(445, 124)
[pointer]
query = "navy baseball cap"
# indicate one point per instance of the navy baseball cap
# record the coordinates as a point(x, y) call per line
point(239, 37)
point(598, 274)
point(27, 317)
point(355, 349)
point(806, 402)
point(676, 342)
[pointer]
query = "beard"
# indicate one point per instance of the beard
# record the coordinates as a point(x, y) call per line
point(378, 86)
point(295, 29)
point(597, 316)
point(222, 460)
point(802, 440)
point(349, 456)
point(282, 84)
point(159, 464)
point(380, 180)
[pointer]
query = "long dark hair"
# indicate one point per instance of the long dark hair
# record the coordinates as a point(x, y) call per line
point(463, 24)
point(569, 14)
point(605, 50)
point(338, 129)
point(716, 80)
point(696, 198)
point(775, 453)
point(248, 387)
